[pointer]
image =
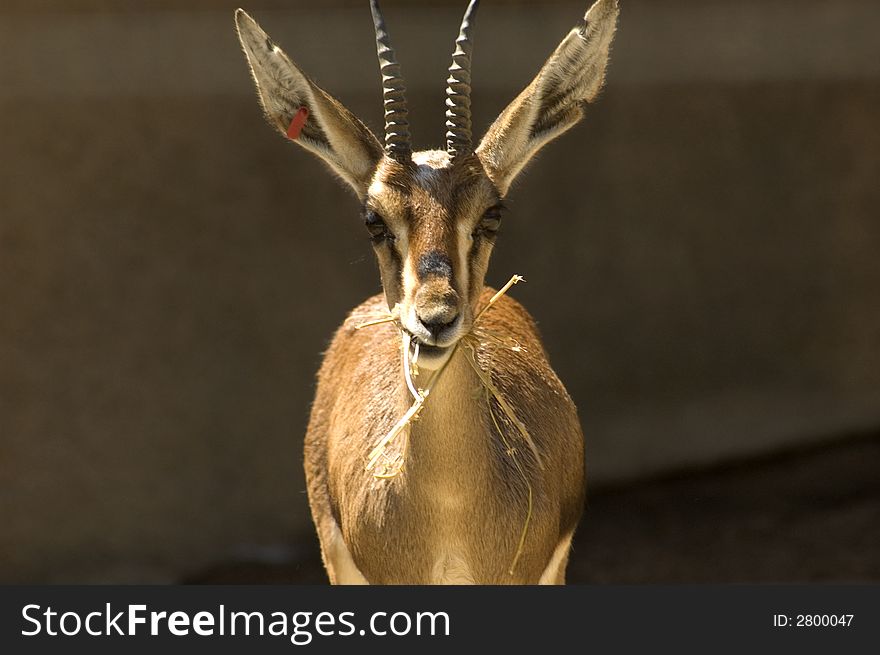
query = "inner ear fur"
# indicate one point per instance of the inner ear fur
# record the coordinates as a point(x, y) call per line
point(330, 130)
point(555, 99)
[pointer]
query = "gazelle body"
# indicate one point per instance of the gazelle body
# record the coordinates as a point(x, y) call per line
point(489, 483)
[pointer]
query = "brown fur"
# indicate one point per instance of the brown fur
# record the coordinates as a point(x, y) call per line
point(397, 528)
point(457, 509)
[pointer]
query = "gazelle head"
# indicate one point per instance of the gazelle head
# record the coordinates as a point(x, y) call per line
point(433, 215)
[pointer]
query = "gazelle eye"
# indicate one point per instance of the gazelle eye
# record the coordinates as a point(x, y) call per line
point(377, 227)
point(489, 223)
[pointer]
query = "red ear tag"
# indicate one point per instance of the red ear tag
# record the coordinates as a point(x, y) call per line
point(297, 123)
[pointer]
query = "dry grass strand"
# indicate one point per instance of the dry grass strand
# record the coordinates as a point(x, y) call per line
point(477, 336)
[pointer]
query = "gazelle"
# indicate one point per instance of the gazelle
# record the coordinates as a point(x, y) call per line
point(487, 485)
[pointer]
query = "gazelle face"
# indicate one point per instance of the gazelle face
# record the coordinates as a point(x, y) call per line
point(432, 215)
point(433, 223)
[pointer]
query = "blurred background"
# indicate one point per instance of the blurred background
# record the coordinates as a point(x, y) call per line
point(701, 255)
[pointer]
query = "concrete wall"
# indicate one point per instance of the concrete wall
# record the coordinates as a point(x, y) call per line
point(701, 254)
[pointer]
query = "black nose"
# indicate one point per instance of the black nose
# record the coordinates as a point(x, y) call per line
point(434, 263)
point(438, 323)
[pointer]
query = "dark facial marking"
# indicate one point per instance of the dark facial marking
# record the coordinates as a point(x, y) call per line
point(434, 263)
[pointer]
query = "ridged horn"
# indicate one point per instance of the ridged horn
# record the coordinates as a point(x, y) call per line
point(397, 138)
point(458, 88)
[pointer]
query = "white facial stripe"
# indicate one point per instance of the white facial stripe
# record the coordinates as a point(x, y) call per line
point(410, 287)
point(410, 272)
point(464, 242)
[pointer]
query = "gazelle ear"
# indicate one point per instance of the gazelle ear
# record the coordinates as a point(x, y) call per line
point(304, 112)
point(554, 101)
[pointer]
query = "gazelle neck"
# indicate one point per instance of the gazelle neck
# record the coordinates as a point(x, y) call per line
point(443, 436)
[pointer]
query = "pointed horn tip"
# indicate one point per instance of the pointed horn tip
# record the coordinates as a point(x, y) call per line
point(378, 18)
point(397, 137)
point(470, 13)
point(459, 139)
